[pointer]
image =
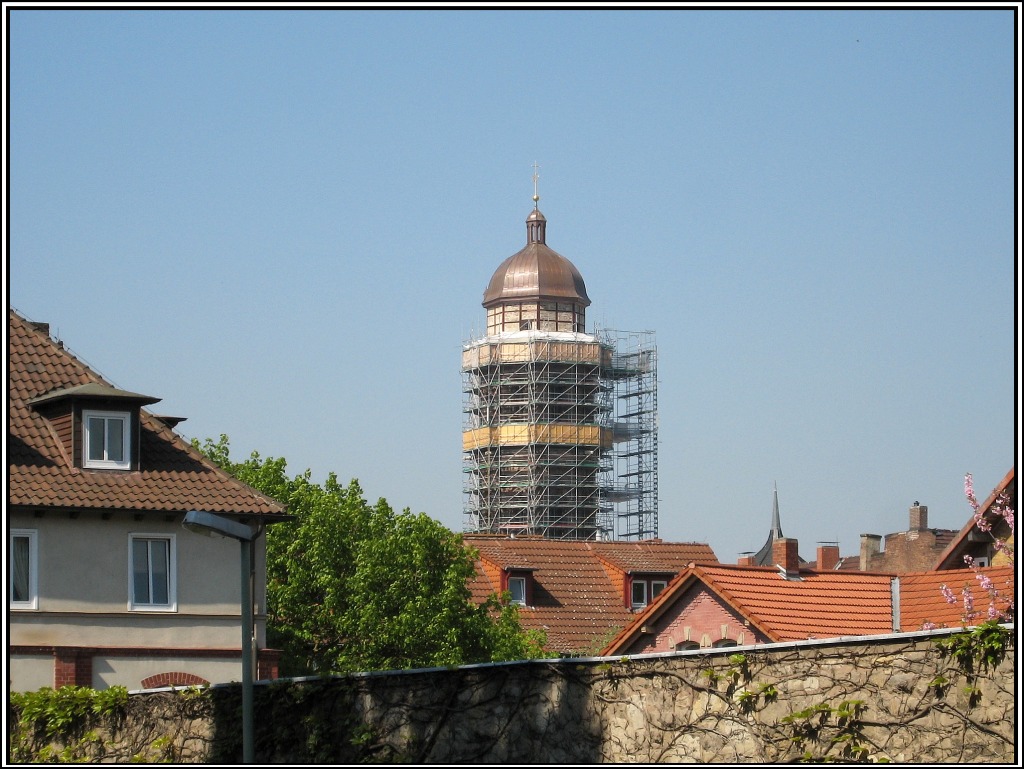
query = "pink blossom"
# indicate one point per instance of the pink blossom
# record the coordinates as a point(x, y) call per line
point(950, 598)
point(986, 583)
point(929, 626)
point(969, 490)
point(968, 601)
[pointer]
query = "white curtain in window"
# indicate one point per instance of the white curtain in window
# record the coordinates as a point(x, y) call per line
point(21, 568)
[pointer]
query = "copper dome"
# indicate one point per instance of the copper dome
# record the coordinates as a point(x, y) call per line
point(536, 272)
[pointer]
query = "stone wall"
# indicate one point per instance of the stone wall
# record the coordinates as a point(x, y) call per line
point(763, 704)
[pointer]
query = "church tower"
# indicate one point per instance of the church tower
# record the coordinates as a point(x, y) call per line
point(540, 395)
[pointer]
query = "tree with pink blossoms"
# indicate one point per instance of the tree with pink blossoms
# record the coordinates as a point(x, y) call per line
point(986, 520)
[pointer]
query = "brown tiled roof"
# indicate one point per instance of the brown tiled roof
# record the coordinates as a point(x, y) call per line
point(652, 555)
point(921, 598)
point(576, 602)
point(172, 476)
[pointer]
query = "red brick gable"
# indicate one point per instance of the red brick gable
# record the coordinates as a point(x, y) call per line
point(172, 477)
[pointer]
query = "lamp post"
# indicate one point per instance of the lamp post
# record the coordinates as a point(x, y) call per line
point(210, 524)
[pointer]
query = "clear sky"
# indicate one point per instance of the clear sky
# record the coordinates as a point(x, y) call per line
point(282, 224)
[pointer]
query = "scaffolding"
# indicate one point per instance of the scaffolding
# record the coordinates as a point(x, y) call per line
point(558, 435)
point(630, 482)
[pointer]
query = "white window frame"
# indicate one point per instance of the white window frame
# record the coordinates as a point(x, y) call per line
point(172, 570)
point(632, 593)
point(125, 418)
point(981, 561)
point(33, 569)
point(657, 585)
point(513, 599)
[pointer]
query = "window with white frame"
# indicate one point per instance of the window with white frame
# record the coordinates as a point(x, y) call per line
point(106, 439)
point(24, 576)
point(152, 570)
point(646, 590)
point(517, 590)
point(639, 593)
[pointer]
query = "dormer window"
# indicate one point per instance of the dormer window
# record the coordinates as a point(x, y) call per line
point(98, 425)
point(517, 583)
point(107, 439)
point(517, 590)
point(644, 589)
point(639, 594)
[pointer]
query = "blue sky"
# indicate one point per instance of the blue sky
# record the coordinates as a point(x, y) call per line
point(282, 223)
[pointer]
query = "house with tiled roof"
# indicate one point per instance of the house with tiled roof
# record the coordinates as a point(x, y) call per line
point(978, 544)
point(105, 586)
point(709, 606)
point(579, 593)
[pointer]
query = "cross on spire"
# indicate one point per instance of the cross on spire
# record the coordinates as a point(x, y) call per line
point(536, 176)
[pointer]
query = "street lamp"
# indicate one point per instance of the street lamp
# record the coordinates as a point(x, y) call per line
point(210, 524)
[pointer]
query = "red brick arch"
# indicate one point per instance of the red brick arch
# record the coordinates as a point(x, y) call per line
point(173, 679)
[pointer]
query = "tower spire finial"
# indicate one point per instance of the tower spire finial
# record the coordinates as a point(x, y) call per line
point(536, 176)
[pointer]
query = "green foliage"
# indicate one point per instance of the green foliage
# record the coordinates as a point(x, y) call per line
point(353, 586)
point(831, 734)
point(976, 650)
point(972, 652)
point(61, 716)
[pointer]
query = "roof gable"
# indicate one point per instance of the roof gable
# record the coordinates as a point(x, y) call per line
point(952, 556)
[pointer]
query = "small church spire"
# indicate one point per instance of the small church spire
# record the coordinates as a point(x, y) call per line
point(763, 557)
point(776, 524)
point(535, 222)
point(536, 176)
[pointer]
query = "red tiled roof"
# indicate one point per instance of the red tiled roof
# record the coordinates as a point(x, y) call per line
point(172, 476)
point(575, 600)
point(921, 598)
point(829, 604)
point(818, 605)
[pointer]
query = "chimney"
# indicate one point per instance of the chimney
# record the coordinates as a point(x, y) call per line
point(746, 559)
point(784, 554)
point(918, 517)
point(828, 556)
point(870, 544)
point(43, 327)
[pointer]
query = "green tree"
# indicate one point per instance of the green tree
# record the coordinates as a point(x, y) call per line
point(353, 586)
